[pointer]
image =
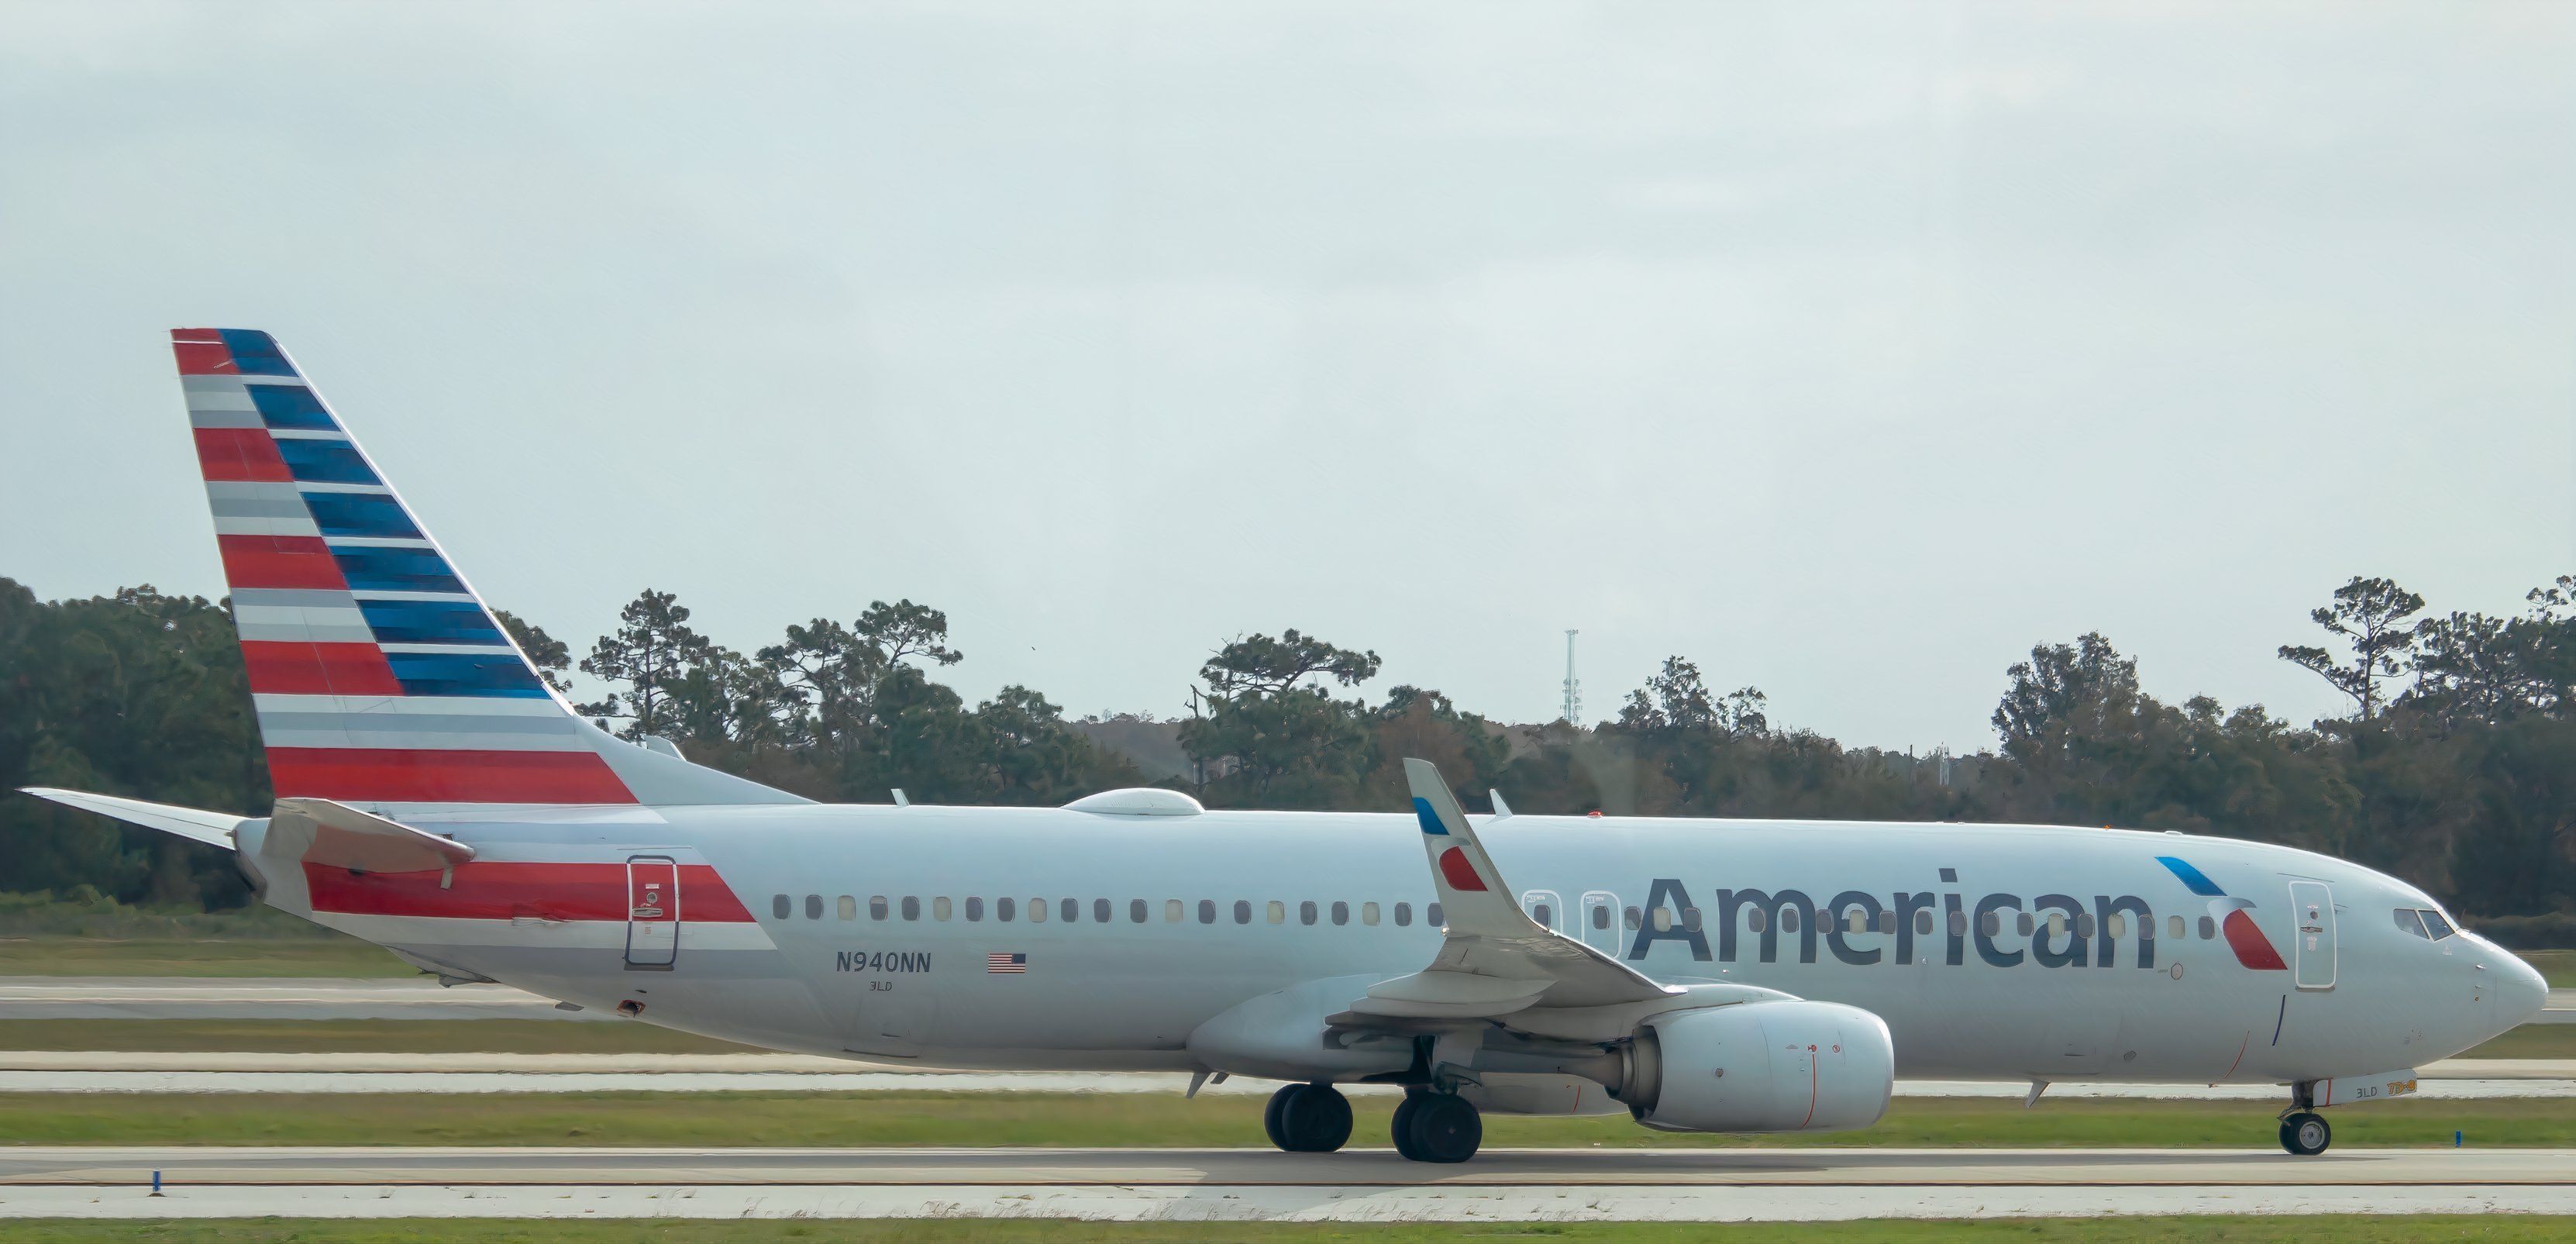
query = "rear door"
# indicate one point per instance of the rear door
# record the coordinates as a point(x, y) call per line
point(2313, 952)
point(652, 911)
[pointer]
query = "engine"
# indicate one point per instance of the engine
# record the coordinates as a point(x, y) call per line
point(1789, 1066)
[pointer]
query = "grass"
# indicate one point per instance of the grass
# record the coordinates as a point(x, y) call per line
point(2557, 965)
point(2342, 1228)
point(2531, 1041)
point(87, 956)
point(1142, 1120)
point(358, 1036)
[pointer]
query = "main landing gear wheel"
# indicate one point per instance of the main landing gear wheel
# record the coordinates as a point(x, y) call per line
point(2305, 1134)
point(1438, 1127)
point(1307, 1118)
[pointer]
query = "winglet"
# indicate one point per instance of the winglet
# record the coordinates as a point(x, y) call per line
point(1472, 893)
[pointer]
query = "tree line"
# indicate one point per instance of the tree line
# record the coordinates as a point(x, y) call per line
point(2454, 766)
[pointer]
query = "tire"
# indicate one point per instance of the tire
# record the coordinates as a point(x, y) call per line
point(1270, 1113)
point(1446, 1128)
point(1316, 1120)
point(1401, 1126)
point(2305, 1134)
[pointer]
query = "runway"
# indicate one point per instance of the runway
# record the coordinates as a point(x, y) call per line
point(1361, 1185)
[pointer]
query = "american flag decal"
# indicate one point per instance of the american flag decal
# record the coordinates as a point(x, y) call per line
point(1009, 963)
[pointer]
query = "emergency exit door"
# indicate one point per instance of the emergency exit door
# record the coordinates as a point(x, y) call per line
point(1601, 922)
point(652, 911)
point(2313, 950)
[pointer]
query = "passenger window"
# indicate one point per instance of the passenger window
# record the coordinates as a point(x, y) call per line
point(846, 907)
point(1341, 912)
point(1923, 924)
point(782, 907)
point(1100, 911)
point(911, 907)
point(974, 909)
point(1690, 919)
point(1431, 915)
point(1544, 914)
point(1207, 911)
point(813, 906)
point(1137, 911)
point(878, 907)
point(2438, 925)
point(1403, 915)
point(1306, 912)
point(1859, 921)
point(1368, 914)
point(1278, 912)
point(1171, 911)
point(1664, 920)
point(2208, 928)
point(2115, 926)
point(1788, 919)
point(2022, 924)
point(2084, 924)
point(2173, 928)
point(1600, 916)
point(939, 908)
point(1037, 911)
point(1004, 909)
point(1755, 919)
point(1243, 911)
point(2057, 924)
point(1993, 923)
point(1959, 923)
point(1633, 918)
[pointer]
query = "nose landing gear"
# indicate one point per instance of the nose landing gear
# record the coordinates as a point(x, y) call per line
point(2305, 1134)
point(1437, 1127)
point(2303, 1131)
point(1308, 1118)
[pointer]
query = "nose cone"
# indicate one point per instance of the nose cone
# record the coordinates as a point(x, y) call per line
point(2521, 991)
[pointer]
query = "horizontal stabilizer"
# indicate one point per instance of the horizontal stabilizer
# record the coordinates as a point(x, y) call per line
point(211, 828)
point(344, 837)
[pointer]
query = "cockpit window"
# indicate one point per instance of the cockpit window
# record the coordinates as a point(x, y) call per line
point(2436, 926)
point(2423, 923)
point(2408, 920)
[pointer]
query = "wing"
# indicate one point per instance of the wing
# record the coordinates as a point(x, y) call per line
point(1494, 960)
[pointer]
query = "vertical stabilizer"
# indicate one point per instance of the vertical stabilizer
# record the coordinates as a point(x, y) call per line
point(380, 678)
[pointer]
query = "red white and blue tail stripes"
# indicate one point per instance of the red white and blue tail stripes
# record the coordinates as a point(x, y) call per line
point(378, 676)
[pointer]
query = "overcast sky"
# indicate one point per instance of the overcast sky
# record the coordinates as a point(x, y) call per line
point(1847, 350)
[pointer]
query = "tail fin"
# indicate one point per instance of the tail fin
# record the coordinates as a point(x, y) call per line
point(379, 677)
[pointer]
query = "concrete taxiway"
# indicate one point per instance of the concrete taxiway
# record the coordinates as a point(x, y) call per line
point(1361, 1185)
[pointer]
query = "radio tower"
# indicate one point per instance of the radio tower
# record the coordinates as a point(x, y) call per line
point(1573, 714)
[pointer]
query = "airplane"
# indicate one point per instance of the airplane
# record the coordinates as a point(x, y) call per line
point(437, 798)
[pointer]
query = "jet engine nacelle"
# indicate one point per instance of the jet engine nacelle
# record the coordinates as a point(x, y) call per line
point(1789, 1066)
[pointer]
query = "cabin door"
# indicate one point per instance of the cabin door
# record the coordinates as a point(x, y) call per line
point(2313, 952)
point(652, 911)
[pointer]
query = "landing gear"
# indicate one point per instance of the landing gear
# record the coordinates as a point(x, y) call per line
point(2305, 1134)
point(1437, 1127)
point(1308, 1118)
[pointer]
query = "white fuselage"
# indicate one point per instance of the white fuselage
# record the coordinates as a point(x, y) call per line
point(821, 956)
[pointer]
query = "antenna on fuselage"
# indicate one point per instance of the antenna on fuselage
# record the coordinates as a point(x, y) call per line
point(899, 800)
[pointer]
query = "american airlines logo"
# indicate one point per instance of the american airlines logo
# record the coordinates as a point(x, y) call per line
point(2086, 935)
